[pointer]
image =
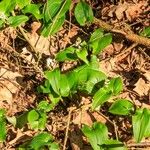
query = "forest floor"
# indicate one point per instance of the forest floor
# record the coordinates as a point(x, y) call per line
point(20, 74)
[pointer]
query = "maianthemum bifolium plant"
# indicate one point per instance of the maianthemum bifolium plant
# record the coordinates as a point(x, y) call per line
point(85, 78)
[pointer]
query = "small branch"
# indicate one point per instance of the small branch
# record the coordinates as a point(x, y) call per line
point(67, 129)
point(130, 36)
point(142, 144)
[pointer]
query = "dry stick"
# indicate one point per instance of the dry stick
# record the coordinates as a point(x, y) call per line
point(130, 36)
point(142, 144)
point(67, 129)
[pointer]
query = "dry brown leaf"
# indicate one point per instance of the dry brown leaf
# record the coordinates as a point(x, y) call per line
point(141, 87)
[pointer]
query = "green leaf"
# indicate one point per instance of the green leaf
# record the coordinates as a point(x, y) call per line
point(96, 36)
point(54, 79)
point(15, 21)
point(94, 77)
point(2, 125)
point(6, 6)
point(82, 54)
point(23, 3)
point(147, 132)
point(100, 44)
point(54, 146)
point(72, 81)
point(96, 135)
point(140, 122)
point(33, 115)
point(116, 85)
point(64, 88)
point(41, 140)
point(45, 106)
point(101, 96)
point(52, 28)
point(51, 8)
point(1, 23)
point(121, 107)
point(22, 120)
point(113, 145)
point(34, 10)
point(66, 54)
point(42, 120)
point(55, 17)
point(44, 88)
point(83, 13)
point(146, 32)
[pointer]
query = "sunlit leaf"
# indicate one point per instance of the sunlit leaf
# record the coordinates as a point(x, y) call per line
point(66, 54)
point(83, 13)
point(101, 96)
point(2, 125)
point(15, 21)
point(121, 107)
point(140, 122)
point(54, 79)
point(97, 134)
point(34, 10)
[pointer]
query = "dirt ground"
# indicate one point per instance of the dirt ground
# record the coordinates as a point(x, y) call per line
point(21, 72)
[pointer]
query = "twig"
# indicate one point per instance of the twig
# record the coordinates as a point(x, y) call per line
point(115, 127)
point(142, 144)
point(130, 36)
point(67, 129)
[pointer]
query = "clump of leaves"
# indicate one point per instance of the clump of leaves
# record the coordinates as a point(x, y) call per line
point(41, 141)
point(98, 137)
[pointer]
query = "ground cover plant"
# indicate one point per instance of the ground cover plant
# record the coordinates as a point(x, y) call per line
point(74, 75)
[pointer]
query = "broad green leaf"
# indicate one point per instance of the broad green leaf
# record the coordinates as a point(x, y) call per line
point(121, 107)
point(96, 36)
point(82, 54)
point(42, 120)
point(94, 77)
point(34, 10)
point(140, 122)
point(23, 3)
point(147, 132)
point(52, 28)
point(22, 120)
point(33, 115)
point(54, 79)
point(1, 23)
point(101, 96)
point(96, 135)
point(15, 21)
point(2, 125)
point(52, 25)
point(54, 99)
point(51, 8)
point(116, 85)
point(72, 81)
point(99, 45)
point(45, 106)
point(83, 13)
point(146, 32)
point(44, 88)
point(54, 146)
point(113, 145)
point(6, 6)
point(64, 86)
point(66, 54)
point(41, 140)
